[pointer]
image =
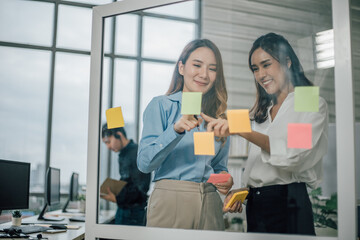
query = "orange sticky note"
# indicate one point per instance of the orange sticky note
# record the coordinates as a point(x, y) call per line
point(204, 143)
point(114, 118)
point(218, 177)
point(239, 121)
point(300, 135)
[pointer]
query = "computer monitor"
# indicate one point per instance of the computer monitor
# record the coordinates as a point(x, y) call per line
point(14, 185)
point(52, 193)
point(74, 190)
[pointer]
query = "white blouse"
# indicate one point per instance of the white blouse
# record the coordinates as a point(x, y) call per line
point(287, 165)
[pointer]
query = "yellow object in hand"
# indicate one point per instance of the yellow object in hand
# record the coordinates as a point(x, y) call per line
point(239, 196)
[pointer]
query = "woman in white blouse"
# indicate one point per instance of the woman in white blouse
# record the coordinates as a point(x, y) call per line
point(276, 175)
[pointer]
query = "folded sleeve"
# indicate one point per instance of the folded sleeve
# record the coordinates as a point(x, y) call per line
point(296, 159)
point(158, 137)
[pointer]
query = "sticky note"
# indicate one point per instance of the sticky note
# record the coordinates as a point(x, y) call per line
point(239, 196)
point(114, 117)
point(218, 177)
point(306, 99)
point(191, 103)
point(239, 121)
point(204, 143)
point(300, 135)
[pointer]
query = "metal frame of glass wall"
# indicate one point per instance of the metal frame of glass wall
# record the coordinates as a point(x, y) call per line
point(345, 137)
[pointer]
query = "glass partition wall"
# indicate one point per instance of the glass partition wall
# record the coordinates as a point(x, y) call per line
point(355, 44)
point(139, 73)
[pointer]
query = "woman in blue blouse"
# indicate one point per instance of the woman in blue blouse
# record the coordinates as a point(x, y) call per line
point(181, 197)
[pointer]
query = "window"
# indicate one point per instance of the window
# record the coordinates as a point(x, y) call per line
point(44, 78)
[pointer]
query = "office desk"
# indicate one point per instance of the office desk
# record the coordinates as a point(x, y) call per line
point(75, 234)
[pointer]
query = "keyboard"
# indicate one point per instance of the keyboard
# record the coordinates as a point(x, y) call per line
point(31, 229)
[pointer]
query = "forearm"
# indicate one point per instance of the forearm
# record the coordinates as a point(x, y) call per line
point(259, 139)
point(154, 150)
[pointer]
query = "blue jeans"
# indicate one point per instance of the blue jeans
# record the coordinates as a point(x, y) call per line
point(131, 216)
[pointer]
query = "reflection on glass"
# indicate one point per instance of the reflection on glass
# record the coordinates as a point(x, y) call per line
point(154, 78)
point(227, 24)
point(165, 39)
point(324, 44)
point(125, 75)
point(155, 81)
point(108, 35)
point(74, 27)
point(21, 22)
point(126, 34)
point(24, 109)
point(70, 115)
point(185, 10)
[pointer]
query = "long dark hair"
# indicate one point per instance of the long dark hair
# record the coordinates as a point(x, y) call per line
point(214, 102)
point(280, 49)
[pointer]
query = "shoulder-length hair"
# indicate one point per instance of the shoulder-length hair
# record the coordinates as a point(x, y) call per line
point(214, 101)
point(280, 49)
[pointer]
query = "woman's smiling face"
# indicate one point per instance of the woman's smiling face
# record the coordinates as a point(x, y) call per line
point(199, 71)
point(269, 73)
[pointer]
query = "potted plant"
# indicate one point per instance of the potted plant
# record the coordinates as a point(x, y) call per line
point(81, 199)
point(325, 213)
point(16, 218)
point(236, 224)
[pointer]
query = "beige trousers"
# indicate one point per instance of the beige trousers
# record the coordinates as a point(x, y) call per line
point(185, 204)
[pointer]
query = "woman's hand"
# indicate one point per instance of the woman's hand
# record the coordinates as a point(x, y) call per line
point(236, 207)
point(110, 196)
point(187, 122)
point(219, 126)
point(226, 186)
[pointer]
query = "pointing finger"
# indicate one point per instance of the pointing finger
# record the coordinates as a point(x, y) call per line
point(206, 117)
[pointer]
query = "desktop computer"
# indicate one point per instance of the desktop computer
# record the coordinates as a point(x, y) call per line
point(52, 193)
point(74, 190)
point(14, 185)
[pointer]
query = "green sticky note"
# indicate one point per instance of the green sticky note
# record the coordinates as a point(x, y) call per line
point(191, 103)
point(307, 99)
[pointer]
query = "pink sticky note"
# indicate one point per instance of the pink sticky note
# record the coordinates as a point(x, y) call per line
point(299, 135)
point(218, 178)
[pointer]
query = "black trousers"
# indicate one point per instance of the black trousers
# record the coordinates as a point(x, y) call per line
point(280, 209)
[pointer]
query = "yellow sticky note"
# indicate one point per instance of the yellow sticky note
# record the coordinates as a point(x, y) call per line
point(239, 196)
point(204, 143)
point(114, 118)
point(239, 121)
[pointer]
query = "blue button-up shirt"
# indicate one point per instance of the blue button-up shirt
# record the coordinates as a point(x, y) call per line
point(170, 154)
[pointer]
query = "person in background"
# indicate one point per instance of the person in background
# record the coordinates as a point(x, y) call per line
point(132, 199)
point(277, 176)
point(182, 198)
